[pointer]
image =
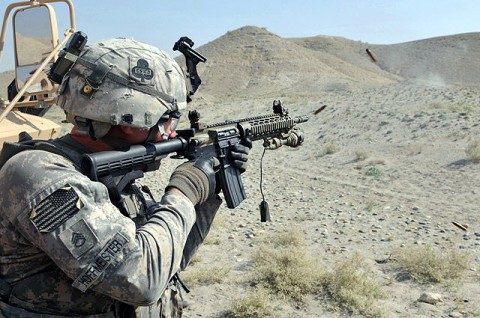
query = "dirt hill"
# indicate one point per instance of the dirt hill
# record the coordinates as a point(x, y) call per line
point(447, 60)
point(252, 61)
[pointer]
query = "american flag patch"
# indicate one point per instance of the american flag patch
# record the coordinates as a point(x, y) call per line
point(55, 209)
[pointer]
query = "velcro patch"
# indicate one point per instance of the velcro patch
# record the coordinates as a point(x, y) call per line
point(79, 238)
point(55, 209)
point(141, 70)
point(108, 256)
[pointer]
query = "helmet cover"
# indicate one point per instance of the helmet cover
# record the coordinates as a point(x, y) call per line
point(123, 82)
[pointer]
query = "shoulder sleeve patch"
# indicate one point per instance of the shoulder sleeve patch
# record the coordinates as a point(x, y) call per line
point(55, 209)
point(79, 238)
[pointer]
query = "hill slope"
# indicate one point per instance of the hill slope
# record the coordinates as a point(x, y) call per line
point(447, 60)
point(252, 61)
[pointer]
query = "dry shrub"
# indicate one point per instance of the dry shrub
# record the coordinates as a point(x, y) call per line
point(473, 151)
point(370, 205)
point(294, 237)
point(212, 240)
point(283, 266)
point(425, 265)
point(255, 304)
point(452, 108)
point(196, 259)
point(348, 287)
point(361, 155)
point(205, 275)
point(220, 222)
point(330, 149)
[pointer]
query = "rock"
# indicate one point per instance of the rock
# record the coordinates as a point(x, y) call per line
point(430, 298)
point(250, 235)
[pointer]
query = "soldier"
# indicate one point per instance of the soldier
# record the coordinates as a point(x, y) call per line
point(73, 247)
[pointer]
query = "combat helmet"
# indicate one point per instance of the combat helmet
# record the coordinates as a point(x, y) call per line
point(122, 82)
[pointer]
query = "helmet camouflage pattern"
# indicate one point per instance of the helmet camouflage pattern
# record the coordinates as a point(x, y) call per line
point(122, 82)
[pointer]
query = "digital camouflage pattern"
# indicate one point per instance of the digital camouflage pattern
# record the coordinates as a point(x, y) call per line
point(65, 248)
point(136, 84)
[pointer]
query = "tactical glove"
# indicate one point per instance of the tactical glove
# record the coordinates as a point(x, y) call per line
point(195, 179)
point(239, 154)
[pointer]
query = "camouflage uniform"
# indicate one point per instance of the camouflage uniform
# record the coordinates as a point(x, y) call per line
point(66, 249)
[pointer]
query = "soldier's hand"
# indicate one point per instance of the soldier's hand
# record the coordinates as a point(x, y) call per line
point(239, 154)
point(195, 179)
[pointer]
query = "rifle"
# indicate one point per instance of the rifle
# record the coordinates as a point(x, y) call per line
point(200, 141)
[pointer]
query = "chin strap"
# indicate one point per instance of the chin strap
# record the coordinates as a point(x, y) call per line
point(152, 133)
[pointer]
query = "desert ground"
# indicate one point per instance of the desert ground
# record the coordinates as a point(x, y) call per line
point(383, 168)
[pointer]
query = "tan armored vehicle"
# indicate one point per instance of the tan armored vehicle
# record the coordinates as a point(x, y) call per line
point(36, 47)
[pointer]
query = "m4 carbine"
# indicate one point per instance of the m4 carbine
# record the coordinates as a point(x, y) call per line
point(200, 141)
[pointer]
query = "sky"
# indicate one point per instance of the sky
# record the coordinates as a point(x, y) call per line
point(162, 23)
